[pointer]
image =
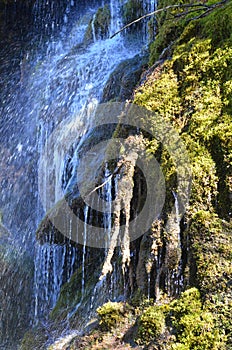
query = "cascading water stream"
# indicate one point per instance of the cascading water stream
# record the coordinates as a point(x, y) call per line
point(73, 85)
point(93, 28)
point(84, 252)
point(107, 193)
point(57, 90)
point(179, 269)
point(83, 277)
point(174, 276)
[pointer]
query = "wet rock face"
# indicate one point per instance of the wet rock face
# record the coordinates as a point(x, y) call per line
point(16, 281)
point(124, 79)
point(16, 22)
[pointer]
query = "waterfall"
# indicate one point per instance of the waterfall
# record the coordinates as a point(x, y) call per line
point(106, 193)
point(50, 265)
point(59, 87)
point(115, 21)
point(70, 83)
point(93, 28)
point(83, 277)
point(54, 265)
point(177, 212)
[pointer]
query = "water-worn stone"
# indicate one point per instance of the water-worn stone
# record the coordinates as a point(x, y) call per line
point(123, 80)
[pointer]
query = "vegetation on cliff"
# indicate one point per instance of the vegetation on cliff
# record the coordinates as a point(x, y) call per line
point(192, 89)
point(188, 84)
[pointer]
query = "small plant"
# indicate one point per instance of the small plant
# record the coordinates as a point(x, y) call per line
point(195, 327)
point(110, 315)
point(151, 325)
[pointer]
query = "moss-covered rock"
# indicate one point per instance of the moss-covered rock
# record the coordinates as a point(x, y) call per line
point(98, 27)
point(191, 90)
point(151, 325)
point(194, 326)
point(111, 314)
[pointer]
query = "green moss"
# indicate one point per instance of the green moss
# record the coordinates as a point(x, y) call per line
point(166, 37)
point(151, 94)
point(111, 314)
point(192, 90)
point(150, 325)
point(168, 30)
point(188, 303)
point(194, 326)
point(211, 243)
point(211, 246)
point(218, 26)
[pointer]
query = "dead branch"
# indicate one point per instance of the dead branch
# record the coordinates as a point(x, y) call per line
point(107, 180)
point(100, 186)
point(194, 7)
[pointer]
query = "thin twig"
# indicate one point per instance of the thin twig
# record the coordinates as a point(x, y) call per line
point(201, 15)
point(182, 14)
point(198, 7)
point(157, 11)
point(105, 182)
point(97, 188)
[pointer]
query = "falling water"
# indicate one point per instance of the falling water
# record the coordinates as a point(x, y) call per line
point(74, 310)
point(148, 285)
point(60, 81)
point(84, 252)
point(115, 22)
point(93, 28)
point(107, 195)
point(54, 266)
point(177, 212)
point(177, 277)
point(86, 72)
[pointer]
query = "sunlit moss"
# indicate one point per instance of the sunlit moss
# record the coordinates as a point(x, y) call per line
point(192, 90)
point(151, 325)
point(111, 314)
